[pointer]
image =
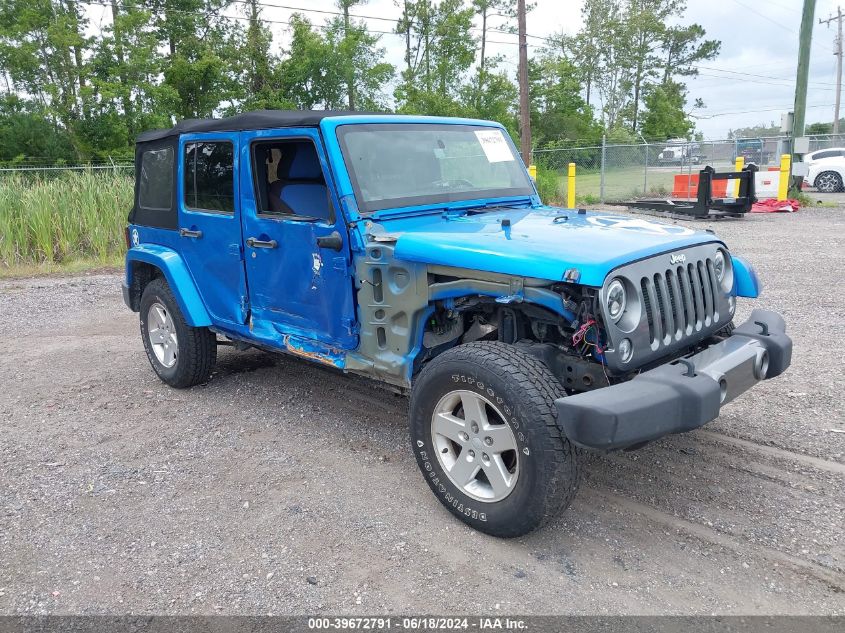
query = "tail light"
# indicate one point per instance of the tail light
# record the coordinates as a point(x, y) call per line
point(126, 238)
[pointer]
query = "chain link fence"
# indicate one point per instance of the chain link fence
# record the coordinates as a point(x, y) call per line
point(46, 168)
point(612, 172)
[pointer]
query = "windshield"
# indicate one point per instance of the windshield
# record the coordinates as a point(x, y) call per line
point(400, 165)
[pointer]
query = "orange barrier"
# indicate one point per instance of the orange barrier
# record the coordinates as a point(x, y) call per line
point(686, 186)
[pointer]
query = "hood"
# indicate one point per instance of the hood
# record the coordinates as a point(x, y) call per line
point(543, 243)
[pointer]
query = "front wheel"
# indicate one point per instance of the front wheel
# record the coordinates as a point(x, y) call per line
point(181, 355)
point(828, 182)
point(485, 435)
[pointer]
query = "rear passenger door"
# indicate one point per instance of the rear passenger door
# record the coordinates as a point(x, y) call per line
point(209, 222)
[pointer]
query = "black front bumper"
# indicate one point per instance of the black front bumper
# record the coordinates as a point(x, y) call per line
point(681, 395)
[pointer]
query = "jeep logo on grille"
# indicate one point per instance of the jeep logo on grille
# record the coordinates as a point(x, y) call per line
point(677, 258)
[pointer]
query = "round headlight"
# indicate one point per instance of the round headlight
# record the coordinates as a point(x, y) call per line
point(719, 265)
point(616, 299)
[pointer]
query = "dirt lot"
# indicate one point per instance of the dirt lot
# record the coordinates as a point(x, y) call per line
point(284, 488)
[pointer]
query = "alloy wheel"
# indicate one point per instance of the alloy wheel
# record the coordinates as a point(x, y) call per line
point(162, 335)
point(475, 446)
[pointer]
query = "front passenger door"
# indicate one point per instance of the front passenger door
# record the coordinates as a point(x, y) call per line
point(295, 242)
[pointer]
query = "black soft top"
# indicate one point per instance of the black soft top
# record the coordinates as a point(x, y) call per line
point(258, 120)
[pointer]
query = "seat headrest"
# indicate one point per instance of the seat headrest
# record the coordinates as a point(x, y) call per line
point(306, 164)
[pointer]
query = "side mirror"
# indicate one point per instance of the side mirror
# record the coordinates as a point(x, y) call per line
point(332, 241)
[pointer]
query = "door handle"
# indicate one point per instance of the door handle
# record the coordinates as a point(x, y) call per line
point(254, 243)
point(190, 233)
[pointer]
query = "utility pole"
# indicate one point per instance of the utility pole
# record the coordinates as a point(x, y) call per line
point(838, 54)
point(804, 39)
point(350, 79)
point(524, 111)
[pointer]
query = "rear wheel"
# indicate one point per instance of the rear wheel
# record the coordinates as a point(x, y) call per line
point(181, 355)
point(828, 182)
point(485, 435)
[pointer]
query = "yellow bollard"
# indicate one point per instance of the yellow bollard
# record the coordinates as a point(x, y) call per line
point(740, 163)
point(783, 181)
point(532, 171)
point(570, 187)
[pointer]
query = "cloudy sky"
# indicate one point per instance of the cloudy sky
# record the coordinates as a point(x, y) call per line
point(751, 82)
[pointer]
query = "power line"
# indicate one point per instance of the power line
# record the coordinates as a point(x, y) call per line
point(758, 81)
point(766, 17)
point(737, 72)
point(308, 10)
point(715, 114)
point(789, 29)
point(243, 18)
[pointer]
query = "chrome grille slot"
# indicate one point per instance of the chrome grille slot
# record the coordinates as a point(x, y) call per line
point(689, 306)
point(644, 286)
point(714, 285)
point(656, 314)
point(707, 293)
point(665, 307)
point(697, 295)
point(677, 303)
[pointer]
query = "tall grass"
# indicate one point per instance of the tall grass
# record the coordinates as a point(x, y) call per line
point(62, 219)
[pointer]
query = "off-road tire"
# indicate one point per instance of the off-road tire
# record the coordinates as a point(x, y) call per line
point(525, 389)
point(196, 346)
point(828, 182)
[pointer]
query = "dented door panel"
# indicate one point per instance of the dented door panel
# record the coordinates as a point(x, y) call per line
point(298, 289)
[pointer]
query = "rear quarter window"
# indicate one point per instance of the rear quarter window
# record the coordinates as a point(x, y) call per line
point(155, 186)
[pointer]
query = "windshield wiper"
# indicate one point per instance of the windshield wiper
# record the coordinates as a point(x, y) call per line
point(486, 207)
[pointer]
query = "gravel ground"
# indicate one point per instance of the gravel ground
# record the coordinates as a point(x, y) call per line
point(284, 488)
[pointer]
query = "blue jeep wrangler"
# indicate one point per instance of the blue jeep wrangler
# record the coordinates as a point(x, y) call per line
point(415, 251)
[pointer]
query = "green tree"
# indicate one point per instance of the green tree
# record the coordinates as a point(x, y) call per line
point(125, 78)
point(558, 111)
point(627, 46)
point(588, 49)
point(756, 131)
point(441, 51)
point(198, 62)
point(645, 26)
point(493, 96)
point(320, 67)
point(822, 128)
point(360, 61)
point(304, 76)
point(488, 10)
point(41, 52)
point(682, 47)
point(27, 135)
point(665, 117)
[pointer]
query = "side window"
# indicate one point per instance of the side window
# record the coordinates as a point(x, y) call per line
point(827, 154)
point(155, 189)
point(210, 177)
point(289, 180)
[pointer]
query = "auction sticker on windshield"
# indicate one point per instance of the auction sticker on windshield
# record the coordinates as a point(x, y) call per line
point(495, 146)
